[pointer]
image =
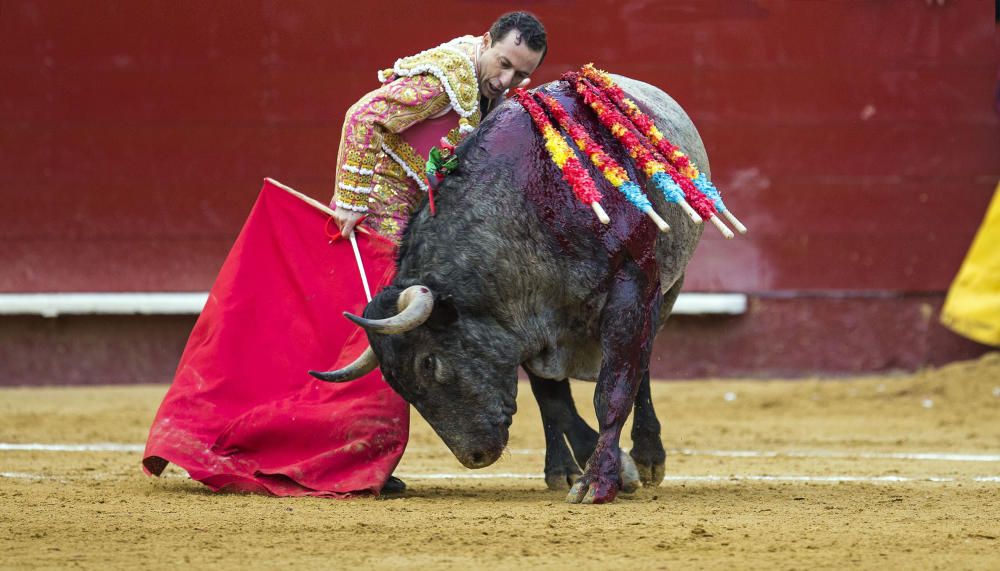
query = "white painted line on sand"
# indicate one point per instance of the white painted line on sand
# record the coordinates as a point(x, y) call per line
point(937, 456)
point(464, 476)
point(22, 476)
point(839, 478)
point(734, 478)
point(96, 447)
point(946, 456)
point(942, 456)
point(718, 479)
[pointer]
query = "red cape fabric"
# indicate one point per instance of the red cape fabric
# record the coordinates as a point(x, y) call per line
point(243, 413)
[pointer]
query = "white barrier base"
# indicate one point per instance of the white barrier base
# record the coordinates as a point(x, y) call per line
point(154, 303)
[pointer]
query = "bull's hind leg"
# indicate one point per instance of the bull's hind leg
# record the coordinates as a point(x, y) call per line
point(647, 448)
point(628, 324)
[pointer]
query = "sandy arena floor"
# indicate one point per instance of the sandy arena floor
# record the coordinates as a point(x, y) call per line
point(863, 473)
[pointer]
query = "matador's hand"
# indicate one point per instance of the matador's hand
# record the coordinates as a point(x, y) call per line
point(346, 220)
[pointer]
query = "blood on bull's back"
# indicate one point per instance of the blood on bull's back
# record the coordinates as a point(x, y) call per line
point(508, 216)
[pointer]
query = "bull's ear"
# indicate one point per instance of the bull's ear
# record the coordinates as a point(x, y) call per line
point(445, 313)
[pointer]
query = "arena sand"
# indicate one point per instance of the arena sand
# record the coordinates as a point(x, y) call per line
point(835, 488)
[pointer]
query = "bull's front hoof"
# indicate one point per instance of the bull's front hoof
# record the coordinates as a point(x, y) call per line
point(596, 492)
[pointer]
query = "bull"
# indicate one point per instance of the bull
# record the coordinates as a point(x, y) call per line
point(512, 271)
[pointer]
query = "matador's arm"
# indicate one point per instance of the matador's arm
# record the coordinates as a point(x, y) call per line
point(394, 107)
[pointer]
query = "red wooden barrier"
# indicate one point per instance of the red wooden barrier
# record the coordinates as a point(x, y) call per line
point(856, 139)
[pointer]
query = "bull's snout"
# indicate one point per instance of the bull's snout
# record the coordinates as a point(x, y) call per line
point(479, 450)
point(479, 458)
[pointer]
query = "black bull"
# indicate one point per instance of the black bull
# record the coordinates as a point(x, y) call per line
point(513, 272)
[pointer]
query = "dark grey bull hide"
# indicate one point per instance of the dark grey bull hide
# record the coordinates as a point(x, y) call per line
point(513, 272)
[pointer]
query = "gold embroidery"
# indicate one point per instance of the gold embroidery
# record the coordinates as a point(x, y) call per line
point(412, 162)
point(403, 117)
point(452, 67)
point(394, 197)
point(387, 110)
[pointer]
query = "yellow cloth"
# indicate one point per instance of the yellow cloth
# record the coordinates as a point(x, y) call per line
point(972, 307)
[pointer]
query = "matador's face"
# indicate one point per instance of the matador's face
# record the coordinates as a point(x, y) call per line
point(505, 64)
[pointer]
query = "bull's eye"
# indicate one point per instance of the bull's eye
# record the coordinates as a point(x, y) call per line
point(428, 366)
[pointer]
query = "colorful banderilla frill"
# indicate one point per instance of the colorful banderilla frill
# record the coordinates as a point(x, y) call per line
point(670, 151)
point(609, 167)
point(674, 186)
point(572, 171)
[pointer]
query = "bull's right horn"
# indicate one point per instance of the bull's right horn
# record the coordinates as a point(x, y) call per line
point(415, 305)
point(361, 366)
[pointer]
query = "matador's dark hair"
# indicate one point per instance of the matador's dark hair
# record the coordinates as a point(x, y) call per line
point(531, 29)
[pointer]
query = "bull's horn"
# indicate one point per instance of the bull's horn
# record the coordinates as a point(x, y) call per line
point(414, 305)
point(361, 366)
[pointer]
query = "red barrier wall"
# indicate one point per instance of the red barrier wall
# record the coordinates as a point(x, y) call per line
point(856, 139)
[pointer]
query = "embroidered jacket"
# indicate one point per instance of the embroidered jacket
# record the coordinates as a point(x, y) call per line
point(378, 168)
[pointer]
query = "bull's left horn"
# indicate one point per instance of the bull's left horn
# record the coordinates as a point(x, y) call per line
point(361, 366)
point(414, 305)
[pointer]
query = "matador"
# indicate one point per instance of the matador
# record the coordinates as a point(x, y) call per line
point(433, 98)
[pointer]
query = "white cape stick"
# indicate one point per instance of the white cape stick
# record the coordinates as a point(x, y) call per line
point(361, 267)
